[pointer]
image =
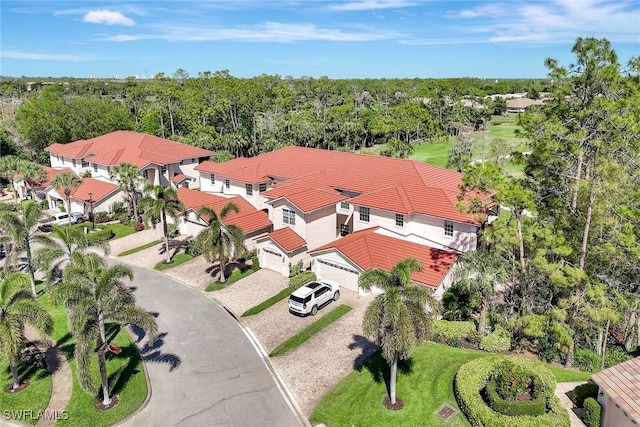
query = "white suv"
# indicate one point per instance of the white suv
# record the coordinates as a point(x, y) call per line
point(312, 296)
point(60, 219)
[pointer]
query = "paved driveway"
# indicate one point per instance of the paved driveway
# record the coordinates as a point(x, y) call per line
point(203, 370)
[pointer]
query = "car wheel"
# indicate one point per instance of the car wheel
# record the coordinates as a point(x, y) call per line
point(314, 310)
point(336, 295)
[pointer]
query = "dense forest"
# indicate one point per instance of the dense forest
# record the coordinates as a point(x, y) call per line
point(558, 274)
point(245, 117)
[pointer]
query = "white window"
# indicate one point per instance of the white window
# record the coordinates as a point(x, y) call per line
point(364, 214)
point(263, 187)
point(73, 162)
point(399, 220)
point(145, 174)
point(448, 228)
point(227, 184)
point(249, 189)
point(344, 229)
point(85, 164)
point(213, 179)
point(95, 167)
point(344, 205)
point(288, 216)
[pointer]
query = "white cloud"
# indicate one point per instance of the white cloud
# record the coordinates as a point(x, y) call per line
point(372, 5)
point(39, 56)
point(108, 17)
point(273, 32)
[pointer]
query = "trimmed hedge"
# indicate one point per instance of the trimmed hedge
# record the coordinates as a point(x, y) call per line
point(514, 407)
point(452, 333)
point(497, 341)
point(583, 392)
point(100, 236)
point(592, 412)
point(472, 378)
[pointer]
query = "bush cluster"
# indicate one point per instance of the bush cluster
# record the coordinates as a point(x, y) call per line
point(592, 412)
point(301, 279)
point(497, 341)
point(100, 236)
point(473, 377)
point(452, 333)
point(100, 217)
point(586, 360)
point(514, 408)
point(583, 392)
point(614, 356)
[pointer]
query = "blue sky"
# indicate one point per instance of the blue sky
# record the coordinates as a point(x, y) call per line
point(338, 39)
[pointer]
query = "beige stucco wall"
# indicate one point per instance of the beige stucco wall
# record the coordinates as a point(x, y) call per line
point(612, 415)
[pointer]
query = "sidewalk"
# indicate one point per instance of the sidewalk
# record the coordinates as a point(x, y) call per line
point(561, 391)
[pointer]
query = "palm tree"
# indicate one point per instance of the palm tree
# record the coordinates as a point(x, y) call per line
point(17, 309)
point(479, 272)
point(162, 202)
point(94, 295)
point(52, 258)
point(13, 168)
point(397, 319)
point(130, 182)
point(19, 229)
point(67, 181)
point(219, 241)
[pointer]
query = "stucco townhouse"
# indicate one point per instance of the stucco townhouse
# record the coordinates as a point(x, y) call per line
point(160, 162)
point(343, 213)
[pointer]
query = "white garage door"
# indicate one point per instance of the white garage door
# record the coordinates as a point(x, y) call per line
point(345, 277)
point(272, 260)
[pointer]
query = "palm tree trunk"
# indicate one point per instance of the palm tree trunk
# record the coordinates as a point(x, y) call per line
point(482, 317)
point(69, 209)
point(32, 275)
point(15, 194)
point(166, 234)
point(603, 350)
point(392, 379)
point(14, 375)
point(222, 265)
point(569, 362)
point(135, 205)
point(102, 361)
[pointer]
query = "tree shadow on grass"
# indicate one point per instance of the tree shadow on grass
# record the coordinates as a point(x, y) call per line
point(122, 376)
point(377, 366)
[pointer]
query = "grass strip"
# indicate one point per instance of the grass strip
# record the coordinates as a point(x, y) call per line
point(139, 248)
point(310, 330)
point(175, 261)
point(268, 303)
point(234, 277)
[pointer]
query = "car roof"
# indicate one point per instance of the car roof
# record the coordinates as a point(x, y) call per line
point(306, 289)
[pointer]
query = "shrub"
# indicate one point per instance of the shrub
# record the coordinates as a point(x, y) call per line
point(591, 413)
point(255, 263)
point(122, 217)
point(513, 408)
point(100, 236)
point(472, 378)
point(452, 333)
point(100, 217)
point(192, 248)
point(139, 226)
point(295, 269)
point(614, 356)
point(512, 380)
point(172, 230)
point(584, 391)
point(586, 360)
point(117, 208)
point(301, 279)
point(458, 304)
point(497, 341)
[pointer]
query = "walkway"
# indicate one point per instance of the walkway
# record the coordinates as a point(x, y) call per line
point(561, 391)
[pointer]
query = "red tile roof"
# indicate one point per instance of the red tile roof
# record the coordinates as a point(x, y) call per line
point(122, 146)
point(179, 178)
point(622, 384)
point(311, 199)
point(51, 173)
point(402, 185)
point(287, 239)
point(369, 249)
point(247, 218)
point(98, 189)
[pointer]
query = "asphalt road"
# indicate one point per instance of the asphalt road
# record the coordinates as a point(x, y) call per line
point(203, 369)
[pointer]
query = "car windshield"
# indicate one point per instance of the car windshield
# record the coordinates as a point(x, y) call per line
point(296, 299)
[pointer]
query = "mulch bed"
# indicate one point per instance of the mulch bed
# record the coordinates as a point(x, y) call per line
point(10, 389)
point(386, 401)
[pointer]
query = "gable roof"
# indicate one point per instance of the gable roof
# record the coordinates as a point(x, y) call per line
point(286, 238)
point(248, 218)
point(369, 249)
point(403, 185)
point(622, 384)
point(122, 146)
point(99, 190)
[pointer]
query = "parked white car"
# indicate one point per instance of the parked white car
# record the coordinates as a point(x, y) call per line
point(313, 296)
point(59, 219)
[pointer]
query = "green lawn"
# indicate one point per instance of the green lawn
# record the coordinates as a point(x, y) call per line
point(434, 153)
point(424, 383)
point(34, 398)
point(234, 277)
point(140, 248)
point(126, 377)
point(176, 260)
point(268, 303)
point(310, 330)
